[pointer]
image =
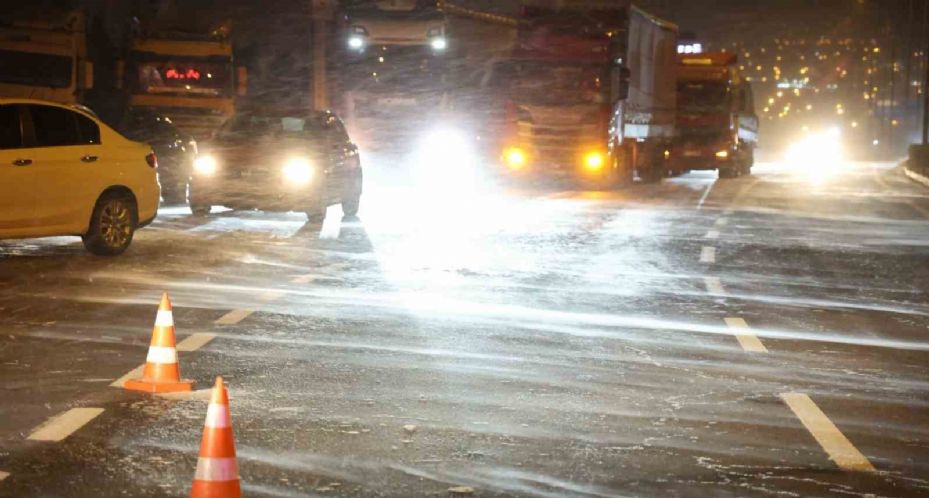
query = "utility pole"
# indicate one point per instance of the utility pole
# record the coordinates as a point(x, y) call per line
point(925, 88)
point(322, 12)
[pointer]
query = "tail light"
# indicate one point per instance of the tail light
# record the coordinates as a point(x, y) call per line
point(152, 160)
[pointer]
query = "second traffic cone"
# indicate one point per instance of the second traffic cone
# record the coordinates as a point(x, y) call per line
point(217, 473)
point(162, 373)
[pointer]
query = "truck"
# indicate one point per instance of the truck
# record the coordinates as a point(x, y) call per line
point(183, 71)
point(717, 128)
point(391, 66)
point(589, 92)
point(44, 55)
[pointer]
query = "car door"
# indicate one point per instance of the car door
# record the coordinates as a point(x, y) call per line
point(65, 165)
point(17, 183)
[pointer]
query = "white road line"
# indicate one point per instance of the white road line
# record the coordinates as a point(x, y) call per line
point(721, 222)
point(705, 195)
point(195, 342)
point(714, 286)
point(132, 374)
point(837, 446)
point(304, 279)
point(233, 317)
point(61, 426)
point(749, 341)
point(708, 255)
point(4, 475)
point(712, 234)
point(272, 295)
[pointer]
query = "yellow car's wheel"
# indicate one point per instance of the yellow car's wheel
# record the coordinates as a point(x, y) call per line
point(112, 224)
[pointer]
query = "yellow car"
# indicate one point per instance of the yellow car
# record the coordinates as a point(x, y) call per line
point(64, 172)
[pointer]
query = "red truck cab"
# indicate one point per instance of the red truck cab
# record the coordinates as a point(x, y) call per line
point(717, 128)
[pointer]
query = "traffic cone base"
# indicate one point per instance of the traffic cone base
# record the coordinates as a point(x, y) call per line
point(183, 385)
point(216, 489)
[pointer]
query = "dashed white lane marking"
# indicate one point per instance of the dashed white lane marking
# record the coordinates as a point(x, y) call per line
point(837, 446)
point(714, 286)
point(704, 196)
point(4, 475)
point(712, 234)
point(135, 373)
point(195, 342)
point(61, 426)
point(708, 255)
point(271, 295)
point(721, 222)
point(749, 341)
point(233, 317)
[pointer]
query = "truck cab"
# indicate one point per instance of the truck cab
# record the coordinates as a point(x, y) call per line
point(45, 56)
point(717, 128)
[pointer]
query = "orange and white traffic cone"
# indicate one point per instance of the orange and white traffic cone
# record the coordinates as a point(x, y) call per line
point(217, 473)
point(162, 373)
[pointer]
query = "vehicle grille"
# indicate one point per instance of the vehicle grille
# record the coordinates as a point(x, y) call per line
point(557, 144)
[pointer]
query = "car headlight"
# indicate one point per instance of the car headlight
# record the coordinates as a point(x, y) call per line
point(439, 44)
point(593, 161)
point(205, 165)
point(298, 170)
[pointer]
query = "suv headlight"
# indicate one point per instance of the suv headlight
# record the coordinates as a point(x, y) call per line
point(298, 170)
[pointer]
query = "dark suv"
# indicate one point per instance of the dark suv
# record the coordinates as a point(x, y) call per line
point(175, 149)
point(278, 161)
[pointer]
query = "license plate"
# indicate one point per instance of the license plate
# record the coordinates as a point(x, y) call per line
point(397, 101)
point(692, 153)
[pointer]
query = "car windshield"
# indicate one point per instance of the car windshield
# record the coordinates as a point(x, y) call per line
point(31, 68)
point(258, 126)
point(702, 95)
point(393, 9)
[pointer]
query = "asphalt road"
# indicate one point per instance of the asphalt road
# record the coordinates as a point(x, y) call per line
point(763, 336)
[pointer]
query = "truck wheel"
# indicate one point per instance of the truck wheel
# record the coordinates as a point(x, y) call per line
point(622, 168)
point(651, 175)
point(112, 224)
point(728, 172)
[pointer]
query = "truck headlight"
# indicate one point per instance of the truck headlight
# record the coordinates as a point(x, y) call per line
point(356, 42)
point(298, 170)
point(723, 154)
point(515, 158)
point(593, 161)
point(205, 165)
